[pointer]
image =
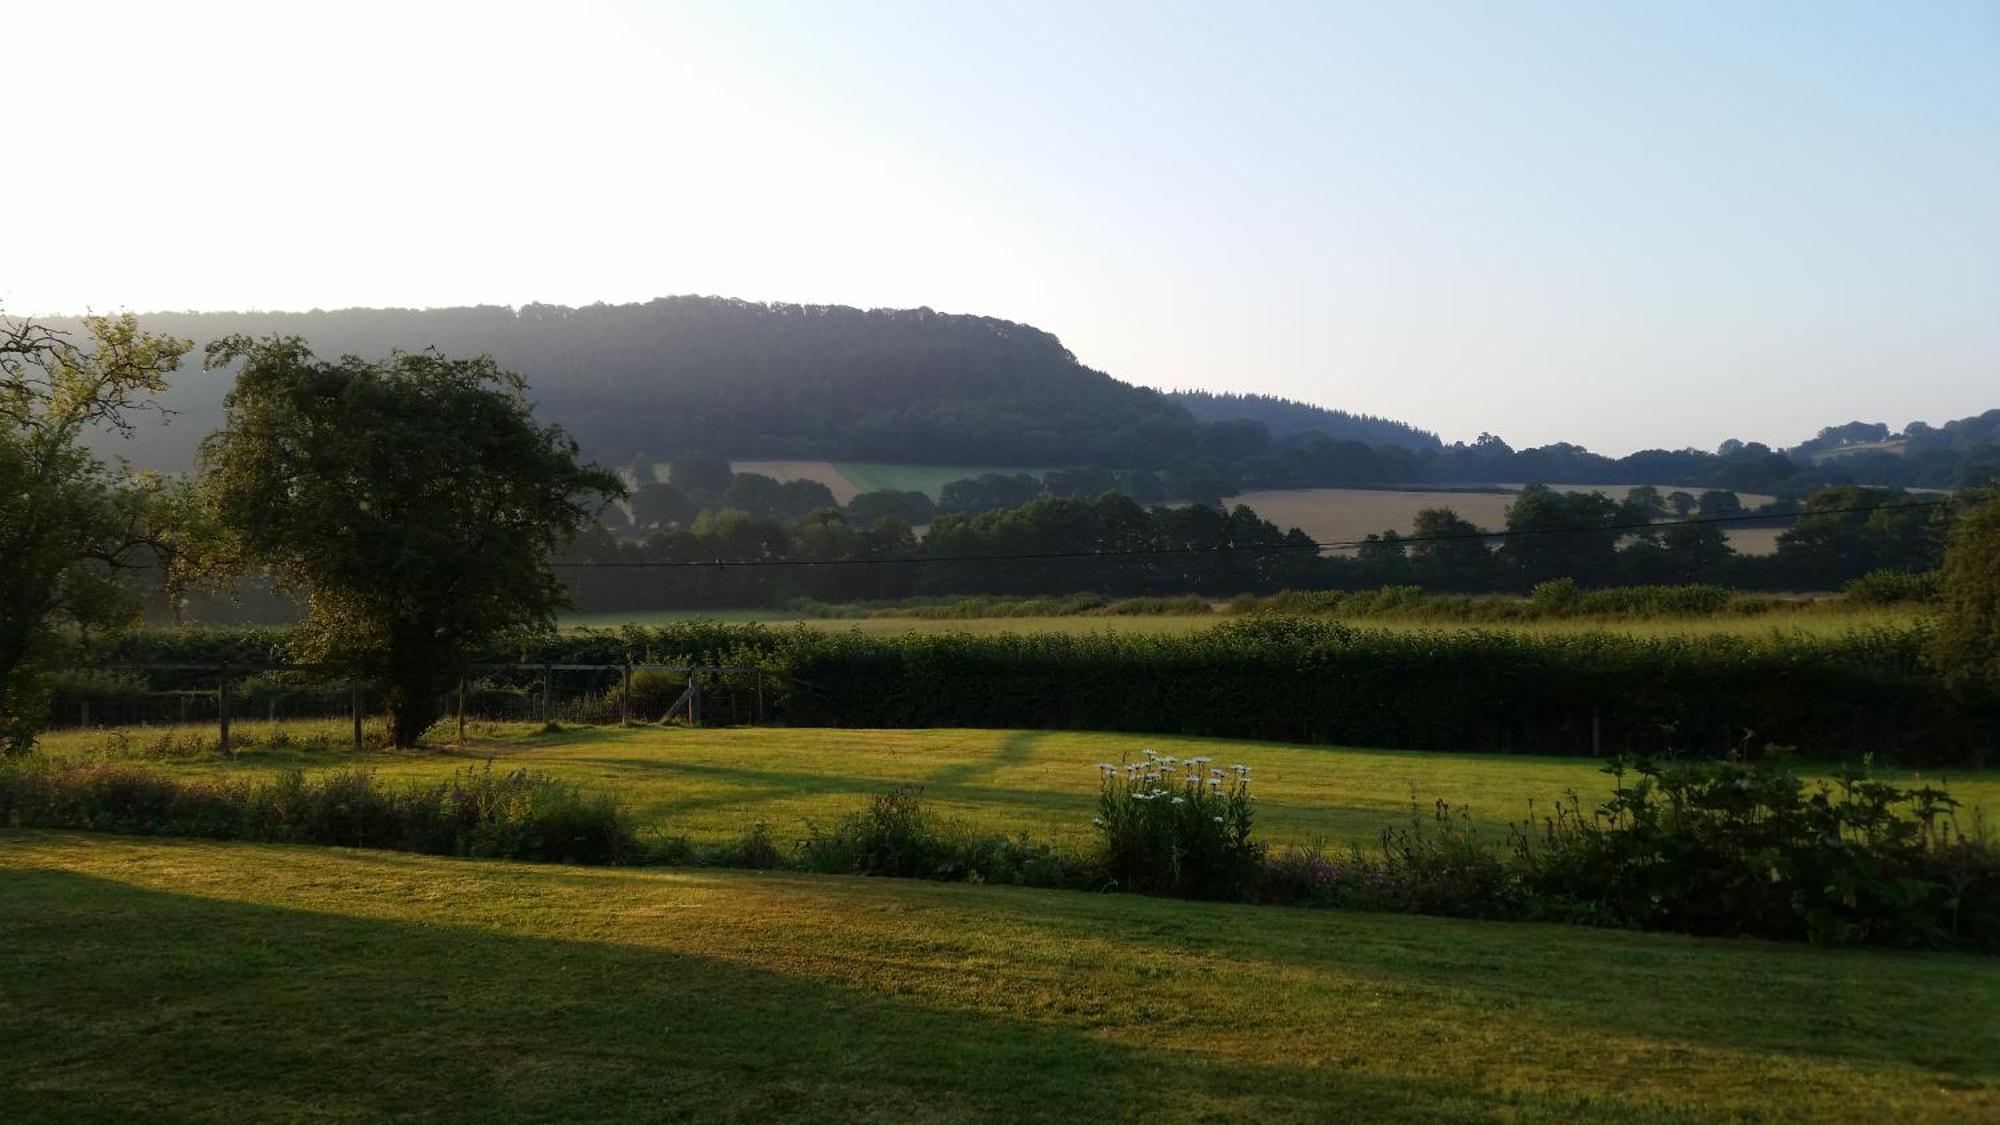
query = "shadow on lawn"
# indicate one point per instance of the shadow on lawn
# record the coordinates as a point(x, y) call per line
point(120, 995)
point(121, 1001)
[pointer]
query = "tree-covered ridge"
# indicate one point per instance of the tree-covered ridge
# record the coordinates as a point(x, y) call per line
point(744, 379)
point(1285, 418)
point(740, 379)
point(1962, 451)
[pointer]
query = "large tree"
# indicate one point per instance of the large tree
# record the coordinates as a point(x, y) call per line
point(414, 501)
point(66, 523)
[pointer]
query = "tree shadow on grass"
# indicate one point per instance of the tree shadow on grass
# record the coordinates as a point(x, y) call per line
point(1849, 1004)
point(123, 1002)
point(1016, 749)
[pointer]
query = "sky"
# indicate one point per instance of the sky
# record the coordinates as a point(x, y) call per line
point(1623, 225)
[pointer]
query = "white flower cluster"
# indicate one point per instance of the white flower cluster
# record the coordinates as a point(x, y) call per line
point(1165, 777)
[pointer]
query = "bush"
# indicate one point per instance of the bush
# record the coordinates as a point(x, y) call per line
point(899, 835)
point(1177, 828)
point(516, 815)
point(1749, 849)
point(1893, 587)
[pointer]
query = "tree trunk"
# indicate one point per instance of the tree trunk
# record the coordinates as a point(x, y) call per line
point(413, 707)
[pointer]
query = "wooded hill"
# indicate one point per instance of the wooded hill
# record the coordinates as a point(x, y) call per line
point(1286, 417)
point(746, 380)
point(741, 379)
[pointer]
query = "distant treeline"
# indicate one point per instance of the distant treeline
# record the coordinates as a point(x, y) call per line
point(1961, 452)
point(1115, 547)
point(1286, 418)
point(747, 380)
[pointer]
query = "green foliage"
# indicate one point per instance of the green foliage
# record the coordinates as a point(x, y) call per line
point(66, 523)
point(1967, 646)
point(1749, 849)
point(907, 508)
point(414, 501)
point(897, 834)
point(1309, 679)
point(1895, 587)
point(517, 815)
point(1435, 863)
point(1176, 827)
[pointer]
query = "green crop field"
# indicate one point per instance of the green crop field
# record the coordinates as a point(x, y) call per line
point(1813, 621)
point(147, 979)
point(875, 476)
point(712, 785)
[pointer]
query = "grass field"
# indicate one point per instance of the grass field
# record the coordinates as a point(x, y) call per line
point(1349, 514)
point(175, 980)
point(713, 785)
point(1828, 620)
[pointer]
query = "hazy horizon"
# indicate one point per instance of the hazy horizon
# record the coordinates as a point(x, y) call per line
point(1618, 226)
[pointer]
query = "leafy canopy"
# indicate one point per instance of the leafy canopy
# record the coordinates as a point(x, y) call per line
point(414, 501)
point(1966, 645)
point(67, 524)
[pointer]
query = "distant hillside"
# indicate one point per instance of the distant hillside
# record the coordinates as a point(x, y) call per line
point(1287, 418)
point(1963, 451)
point(912, 386)
point(742, 379)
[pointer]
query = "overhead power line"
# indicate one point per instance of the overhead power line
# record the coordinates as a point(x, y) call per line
point(1311, 545)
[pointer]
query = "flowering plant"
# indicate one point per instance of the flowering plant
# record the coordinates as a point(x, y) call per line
point(1178, 826)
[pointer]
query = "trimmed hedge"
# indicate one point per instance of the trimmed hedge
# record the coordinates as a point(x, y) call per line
point(1294, 679)
point(1315, 680)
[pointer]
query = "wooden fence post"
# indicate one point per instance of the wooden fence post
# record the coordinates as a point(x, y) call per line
point(84, 721)
point(625, 697)
point(222, 711)
point(694, 697)
point(184, 708)
point(760, 697)
point(548, 709)
point(461, 712)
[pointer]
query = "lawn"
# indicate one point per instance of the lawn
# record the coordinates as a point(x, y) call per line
point(712, 785)
point(175, 980)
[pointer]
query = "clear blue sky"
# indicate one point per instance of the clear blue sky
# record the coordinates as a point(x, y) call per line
point(1619, 224)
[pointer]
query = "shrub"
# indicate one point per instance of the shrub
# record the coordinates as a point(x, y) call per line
point(1891, 587)
point(1177, 827)
point(1749, 849)
point(1556, 598)
point(754, 850)
point(897, 834)
point(516, 815)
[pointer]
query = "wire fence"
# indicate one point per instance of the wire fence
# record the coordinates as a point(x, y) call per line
point(227, 697)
